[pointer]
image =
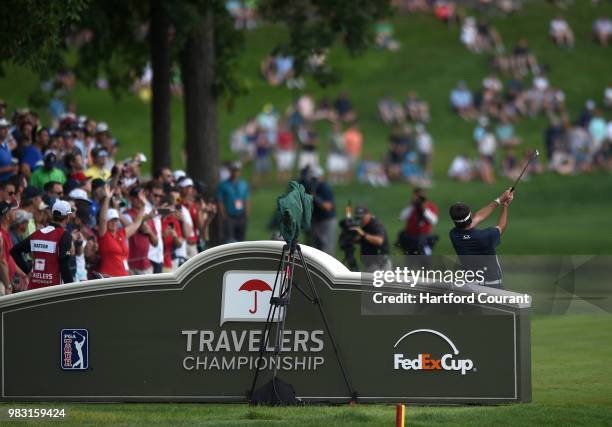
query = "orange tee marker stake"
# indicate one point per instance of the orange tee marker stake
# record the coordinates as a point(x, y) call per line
point(400, 412)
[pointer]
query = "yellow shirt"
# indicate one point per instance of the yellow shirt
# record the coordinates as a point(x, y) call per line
point(95, 172)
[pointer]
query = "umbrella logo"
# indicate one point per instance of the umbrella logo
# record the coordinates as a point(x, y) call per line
point(255, 286)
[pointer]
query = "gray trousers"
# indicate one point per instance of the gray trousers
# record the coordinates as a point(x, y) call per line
point(323, 235)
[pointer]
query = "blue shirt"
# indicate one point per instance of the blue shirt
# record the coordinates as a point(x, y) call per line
point(6, 159)
point(31, 155)
point(323, 193)
point(234, 196)
point(476, 250)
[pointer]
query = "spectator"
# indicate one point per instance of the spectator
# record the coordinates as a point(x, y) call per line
point(505, 133)
point(19, 229)
point(53, 190)
point(424, 144)
point(52, 252)
point(353, 143)
point(309, 156)
point(99, 167)
point(190, 217)
point(48, 172)
point(608, 97)
point(175, 246)
point(462, 101)
point(598, 130)
point(234, 205)
point(113, 239)
point(323, 231)
point(602, 30)
point(144, 238)
point(561, 33)
point(8, 268)
point(285, 153)
point(7, 166)
point(155, 195)
point(461, 169)
point(390, 111)
point(419, 217)
point(344, 108)
point(486, 148)
point(338, 163)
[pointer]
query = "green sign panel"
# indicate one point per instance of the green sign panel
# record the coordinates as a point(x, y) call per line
point(195, 336)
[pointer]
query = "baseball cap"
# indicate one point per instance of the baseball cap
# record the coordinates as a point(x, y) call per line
point(102, 127)
point(30, 192)
point(5, 207)
point(100, 152)
point(4, 123)
point(22, 216)
point(50, 157)
point(61, 208)
point(79, 194)
point(360, 211)
point(97, 183)
point(135, 191)
point(178, 174)
point(112, 214)
point(185, 182)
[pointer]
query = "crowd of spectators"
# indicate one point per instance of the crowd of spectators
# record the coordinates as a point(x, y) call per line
point(290, 141)
point(117, 222)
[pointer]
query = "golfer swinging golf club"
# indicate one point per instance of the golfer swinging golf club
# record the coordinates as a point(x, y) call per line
point(476, 247)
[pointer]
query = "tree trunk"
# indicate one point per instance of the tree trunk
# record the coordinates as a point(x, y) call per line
point(201, 132)
point(160, 63)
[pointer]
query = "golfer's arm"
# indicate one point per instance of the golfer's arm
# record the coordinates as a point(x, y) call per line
point(484, 213)
point(502, 222)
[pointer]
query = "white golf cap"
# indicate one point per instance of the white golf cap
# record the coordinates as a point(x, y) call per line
point(102, 127)
point(112, 214)
point(79, 194)
point(185, 182)
point(61, 208)
point(178, 174)
point(4, 123)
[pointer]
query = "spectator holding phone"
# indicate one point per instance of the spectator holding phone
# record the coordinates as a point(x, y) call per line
point(113, 238)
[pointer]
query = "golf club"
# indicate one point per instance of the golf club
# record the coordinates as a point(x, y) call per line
point(536, 153)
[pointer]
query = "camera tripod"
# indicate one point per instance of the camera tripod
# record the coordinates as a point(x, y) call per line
point(278, 312)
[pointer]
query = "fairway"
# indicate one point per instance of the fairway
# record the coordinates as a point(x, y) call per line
point(572, 385)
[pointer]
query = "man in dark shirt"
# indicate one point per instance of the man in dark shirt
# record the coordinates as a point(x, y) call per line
point(372, 240)
point(476, 248)
point(323, 226)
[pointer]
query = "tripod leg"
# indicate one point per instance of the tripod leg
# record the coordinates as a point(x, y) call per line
point(325, 322)
point(268, 324)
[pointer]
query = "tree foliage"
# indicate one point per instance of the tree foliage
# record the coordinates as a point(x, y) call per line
point(34, 31)
point(317, 25)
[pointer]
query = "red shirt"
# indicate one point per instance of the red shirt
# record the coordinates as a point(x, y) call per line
point(168, 239)
point(193, 212)
point(7, 245)
point(45, 249)
point(139, 245)
point(414, 227)
point(113, 253)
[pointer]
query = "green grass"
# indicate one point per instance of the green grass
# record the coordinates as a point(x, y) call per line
point(572, 385)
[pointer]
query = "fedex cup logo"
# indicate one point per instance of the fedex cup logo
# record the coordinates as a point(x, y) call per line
point(246, 296)
point(425, 362)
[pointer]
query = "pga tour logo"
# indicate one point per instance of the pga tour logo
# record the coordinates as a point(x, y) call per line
point(246, 296)
point(426, 362)
point(74, 349)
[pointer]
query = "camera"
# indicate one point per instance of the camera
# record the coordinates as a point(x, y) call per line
point(348, 238)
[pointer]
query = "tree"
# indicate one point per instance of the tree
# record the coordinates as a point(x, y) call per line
point(33, 31)
point(126, 35)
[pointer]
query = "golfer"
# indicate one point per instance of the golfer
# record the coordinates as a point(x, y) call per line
point(476, 247)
